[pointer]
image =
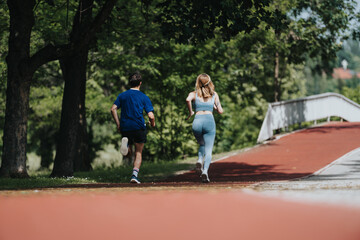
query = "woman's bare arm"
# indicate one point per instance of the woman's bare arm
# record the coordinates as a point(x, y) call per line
point(189, 99)
point(217, 104)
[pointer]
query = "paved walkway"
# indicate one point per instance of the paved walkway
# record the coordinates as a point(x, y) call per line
point(222, 209)
point(338, 183)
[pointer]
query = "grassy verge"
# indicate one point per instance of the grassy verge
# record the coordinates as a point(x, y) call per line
point(149, 172)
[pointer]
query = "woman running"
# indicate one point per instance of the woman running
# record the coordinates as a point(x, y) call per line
point(205, 100)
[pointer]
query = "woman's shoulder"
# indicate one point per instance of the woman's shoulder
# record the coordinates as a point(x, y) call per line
point(191, 96)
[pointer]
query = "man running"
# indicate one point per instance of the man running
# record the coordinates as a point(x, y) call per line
point(132, 124)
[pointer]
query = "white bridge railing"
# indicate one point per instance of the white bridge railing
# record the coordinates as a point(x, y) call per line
point(286, 113)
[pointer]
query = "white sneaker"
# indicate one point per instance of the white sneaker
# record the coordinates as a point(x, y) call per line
point(205, 178)
point(198, 167)
point(124, 149)
point(134, 179)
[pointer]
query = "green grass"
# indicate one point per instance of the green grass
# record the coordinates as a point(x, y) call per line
point(40, 181)
point(149, 172)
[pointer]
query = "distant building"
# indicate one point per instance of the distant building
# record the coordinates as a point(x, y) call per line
point(344, 63)
point(344, 73)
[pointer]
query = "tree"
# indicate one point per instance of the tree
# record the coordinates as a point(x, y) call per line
point(4, 36)
point(21, 68)
point(312, 29)
point(19, 75)
point(193, 21)
point(72, 142)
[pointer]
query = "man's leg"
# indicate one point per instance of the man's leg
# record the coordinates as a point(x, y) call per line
point(128, 158)
point(130, 152)
point(137, 162)
point(138, 154)
point(124, 148)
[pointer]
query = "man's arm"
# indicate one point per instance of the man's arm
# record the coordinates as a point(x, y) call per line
point(115, 116)
point(151, 118)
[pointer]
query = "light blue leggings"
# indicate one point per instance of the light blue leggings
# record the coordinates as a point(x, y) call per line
point(204, 129)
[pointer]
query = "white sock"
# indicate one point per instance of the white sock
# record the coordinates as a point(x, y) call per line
point(135, 172)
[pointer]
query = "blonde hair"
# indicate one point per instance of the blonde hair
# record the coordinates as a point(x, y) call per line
point(204, 87)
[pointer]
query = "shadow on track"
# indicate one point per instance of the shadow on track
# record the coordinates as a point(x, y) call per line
point(238, 172)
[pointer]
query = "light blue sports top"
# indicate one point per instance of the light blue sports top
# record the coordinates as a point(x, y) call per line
point(204, 106)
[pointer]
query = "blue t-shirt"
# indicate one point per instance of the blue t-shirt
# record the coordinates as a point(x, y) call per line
point(132, 104)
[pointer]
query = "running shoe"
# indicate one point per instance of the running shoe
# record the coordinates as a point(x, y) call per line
point(124, 149)
point(205, 178)
point(198, 167)
point(134, 179)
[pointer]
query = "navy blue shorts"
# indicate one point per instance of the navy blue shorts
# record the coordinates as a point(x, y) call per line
point(137, 136)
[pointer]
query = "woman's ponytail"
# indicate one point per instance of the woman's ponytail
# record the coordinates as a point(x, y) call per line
point(204, 86)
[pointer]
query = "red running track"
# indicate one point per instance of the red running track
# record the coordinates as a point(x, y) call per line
point(197, 213)
point(176, 215)
point(292, 156)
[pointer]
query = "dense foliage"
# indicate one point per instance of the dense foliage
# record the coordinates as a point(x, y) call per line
point(4, 35)
point(241, 63)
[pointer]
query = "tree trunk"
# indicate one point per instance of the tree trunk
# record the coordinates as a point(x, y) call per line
point(276, 78)
point(69, 138)
point(46, 149)
point(277, 83)
point(74, 70)
point(15, 129)
point(82, 162)
point(18, 89)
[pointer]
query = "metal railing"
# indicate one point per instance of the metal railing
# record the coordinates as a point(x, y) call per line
point(286, 113)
